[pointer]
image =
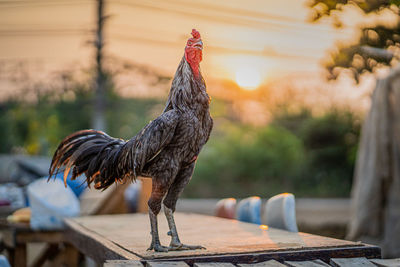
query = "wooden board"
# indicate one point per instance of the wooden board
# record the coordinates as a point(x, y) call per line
point(122, 263)
point(314, 263)
point(353, 262)
point(386, 262)
point(270, 263)
point(213, 264)
point(128, 237)
point(167, 264)
point(95, 246)
point(110, 201)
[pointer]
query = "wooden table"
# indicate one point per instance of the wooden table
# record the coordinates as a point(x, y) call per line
point(16, 237)
point(127, 237)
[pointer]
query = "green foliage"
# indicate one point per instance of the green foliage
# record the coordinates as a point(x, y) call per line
point(330, 143)
point(37, 127)
point(299, 152)
point(127, 116)
point(245, 161)
point(358, 57)
point(321, 8)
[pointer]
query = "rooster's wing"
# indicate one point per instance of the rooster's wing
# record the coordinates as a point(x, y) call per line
point(105, 160)
point(151, 140)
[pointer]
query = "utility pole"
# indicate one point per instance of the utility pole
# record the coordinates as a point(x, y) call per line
point(98, 120)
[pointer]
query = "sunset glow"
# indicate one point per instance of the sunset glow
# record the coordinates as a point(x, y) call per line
point(248, 77)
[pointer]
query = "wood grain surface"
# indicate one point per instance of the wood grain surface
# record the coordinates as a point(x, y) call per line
point(129, 236)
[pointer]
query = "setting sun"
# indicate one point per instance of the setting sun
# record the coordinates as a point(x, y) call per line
point(248, 77)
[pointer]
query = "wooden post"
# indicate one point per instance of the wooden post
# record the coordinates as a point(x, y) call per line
point(19, 257)
point(100, 86)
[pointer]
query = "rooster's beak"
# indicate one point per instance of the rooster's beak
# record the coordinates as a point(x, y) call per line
point(198, 45)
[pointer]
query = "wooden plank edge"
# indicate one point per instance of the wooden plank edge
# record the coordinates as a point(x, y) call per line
point(386, 262)
point(313, 263)
point(359, 261)
point(94, 245)
point(40, 236)
point(368, 251)
point(166, 264)
point(123, 263)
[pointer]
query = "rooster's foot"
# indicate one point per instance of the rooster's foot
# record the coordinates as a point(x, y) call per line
point(158, 248)
point(181, 246)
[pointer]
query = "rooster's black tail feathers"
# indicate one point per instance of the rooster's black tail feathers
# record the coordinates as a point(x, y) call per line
point(105, 160)
point(93, 153)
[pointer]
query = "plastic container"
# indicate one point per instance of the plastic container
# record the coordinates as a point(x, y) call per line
point(249, 210)
point(50, 203)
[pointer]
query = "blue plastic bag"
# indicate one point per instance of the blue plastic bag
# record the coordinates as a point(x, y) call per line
point(50, 203)
point(77, 186)
point(4, 261)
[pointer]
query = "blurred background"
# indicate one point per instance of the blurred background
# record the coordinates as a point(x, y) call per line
point(279, 124)
point(290, 82)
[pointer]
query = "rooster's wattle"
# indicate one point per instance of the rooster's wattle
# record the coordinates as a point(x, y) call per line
point(165, 150)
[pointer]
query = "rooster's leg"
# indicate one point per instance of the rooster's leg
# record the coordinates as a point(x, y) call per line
point(174, 191)
point(175, 242)
point(157, 194)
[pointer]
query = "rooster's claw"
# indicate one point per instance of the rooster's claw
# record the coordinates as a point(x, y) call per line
point(184, 247)
point(158, 248)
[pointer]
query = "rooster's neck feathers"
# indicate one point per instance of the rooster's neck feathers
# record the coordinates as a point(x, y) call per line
point(188, 92)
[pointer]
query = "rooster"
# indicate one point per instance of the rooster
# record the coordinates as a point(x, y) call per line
point(165, 150)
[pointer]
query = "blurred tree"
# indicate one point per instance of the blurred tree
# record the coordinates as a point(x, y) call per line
point(242, 160)
point(36, 115)
point(40, 115)
point(330, 143)
point(375, 202)
point(376, 45)
point(309, 155)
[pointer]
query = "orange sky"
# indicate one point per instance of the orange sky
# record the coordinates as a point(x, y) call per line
point(268, 38)
point(269, 35)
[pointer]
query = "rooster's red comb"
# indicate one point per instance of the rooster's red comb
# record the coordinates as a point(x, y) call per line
point(195, 34)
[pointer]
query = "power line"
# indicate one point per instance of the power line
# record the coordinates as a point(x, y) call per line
point(40, 3)
point(5, 2)
point(32, 32)
point(223, 17)
point(163, 42)
point(213, 48)
point(191, 14)
point(128, 30)
point(238, 11)
point(231, 16)
point(19, 26)
point(251, 19)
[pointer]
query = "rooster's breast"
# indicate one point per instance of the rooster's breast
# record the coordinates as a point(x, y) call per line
point(191, 135)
